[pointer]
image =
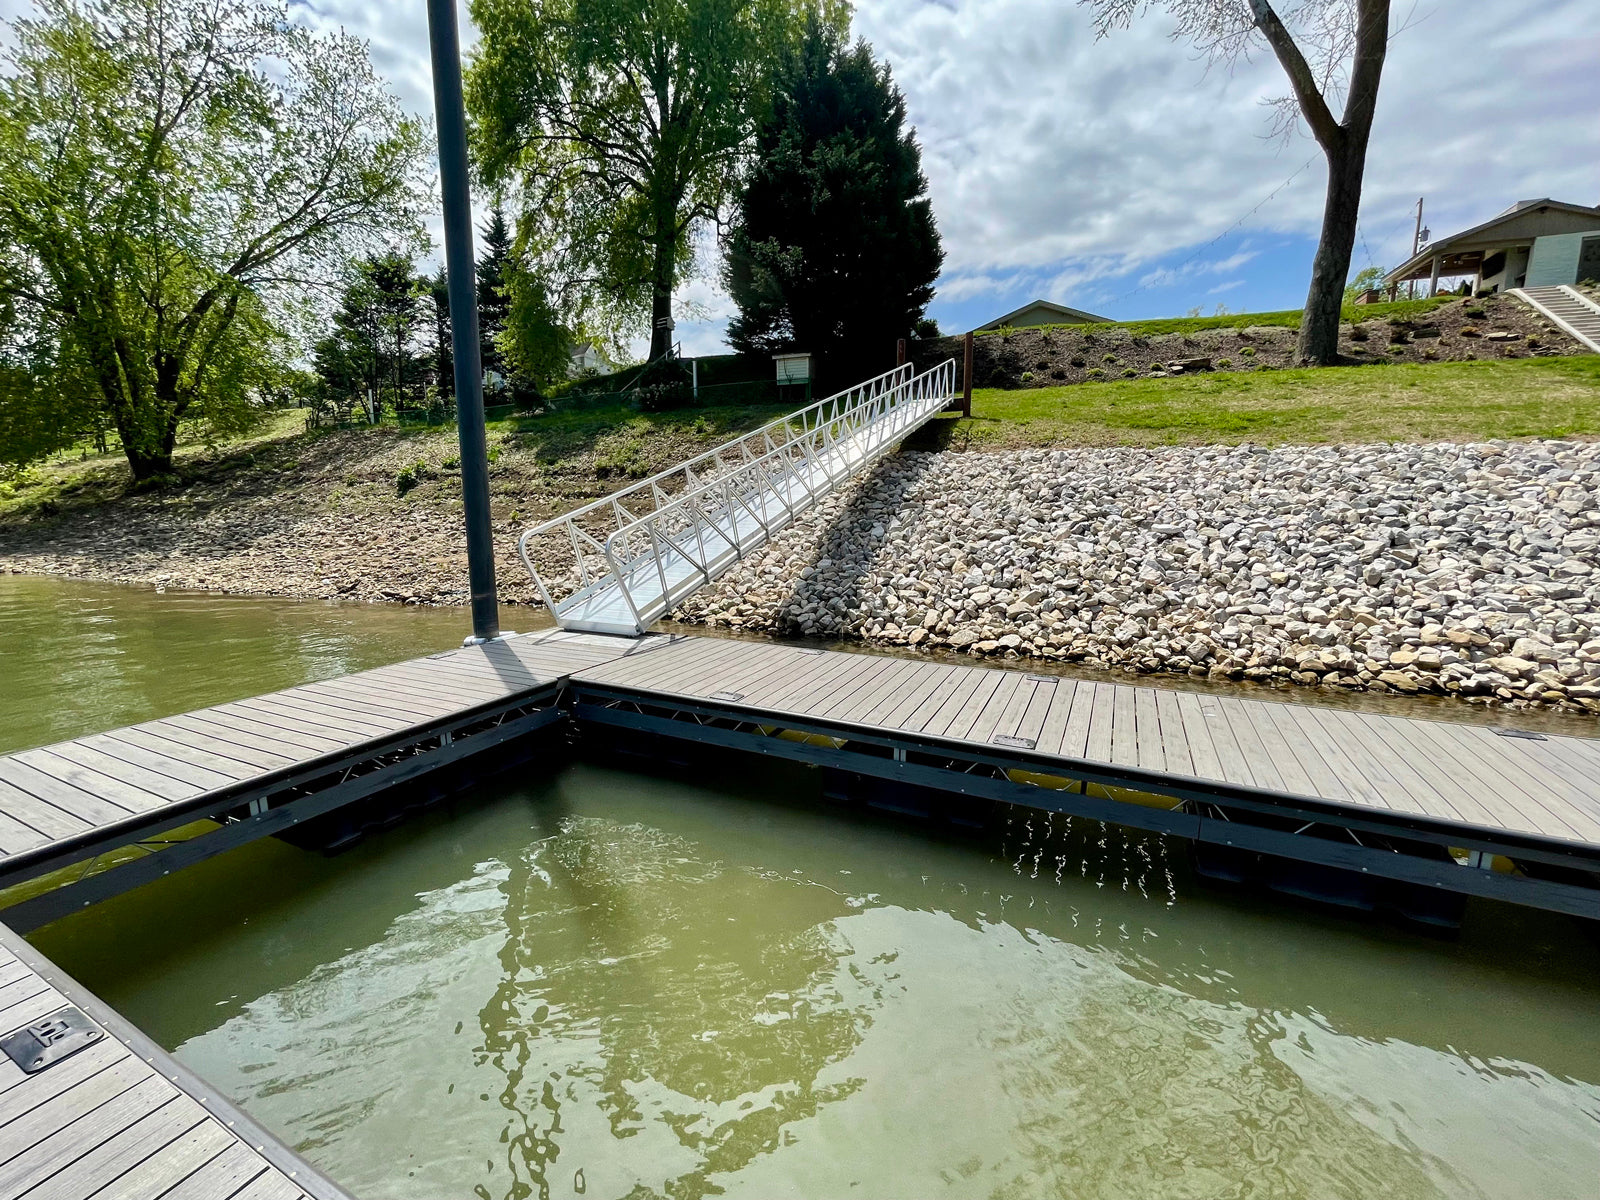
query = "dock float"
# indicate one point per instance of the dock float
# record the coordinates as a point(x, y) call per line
point(1468, 810)
point(107, 1112)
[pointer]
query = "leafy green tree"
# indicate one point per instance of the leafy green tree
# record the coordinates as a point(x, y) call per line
point(1365, 280)
point(174, 174)
point(833, 248)
point(620, 125)
point(535, 343)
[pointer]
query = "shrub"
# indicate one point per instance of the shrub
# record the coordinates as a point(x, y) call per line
point(1476, 313)
point(1129, 372)
point(1224, 362)
point(1027, 377)
point(665, 384)
point(1096, 373)
point(1111, 358)
point(1248, 352)
point(1533, 340)
point(410, 477)
point(1358, 333)
point(1469, 331)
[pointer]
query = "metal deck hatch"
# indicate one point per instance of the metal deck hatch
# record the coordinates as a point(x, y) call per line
point(49, 1040)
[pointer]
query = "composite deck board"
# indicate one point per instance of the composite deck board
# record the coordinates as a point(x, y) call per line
point(1447, 772)
point(126, 770)
point(83, 782)
point(1174, 740)
point(180, 766)
point(125, 778)
point(50, 805)
point(115, 1119)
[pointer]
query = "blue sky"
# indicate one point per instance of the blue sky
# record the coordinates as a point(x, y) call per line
point(1125, 177)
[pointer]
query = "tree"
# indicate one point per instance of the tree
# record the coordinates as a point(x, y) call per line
point(174, 174)
point(444, 363)
point(620, 125)
point(833, 247)
point(494, 298)
point(1365, 280)
point(1332, 52)
point(376, 329)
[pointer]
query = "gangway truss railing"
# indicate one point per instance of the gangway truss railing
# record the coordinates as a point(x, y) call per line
point(621, 563)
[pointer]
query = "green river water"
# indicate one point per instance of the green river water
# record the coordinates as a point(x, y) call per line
point(589, 981)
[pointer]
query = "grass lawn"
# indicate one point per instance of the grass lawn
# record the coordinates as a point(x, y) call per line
point(1288, 318)
point(1529, 397)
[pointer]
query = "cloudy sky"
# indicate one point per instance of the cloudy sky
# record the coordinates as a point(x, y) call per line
point(1123, 177)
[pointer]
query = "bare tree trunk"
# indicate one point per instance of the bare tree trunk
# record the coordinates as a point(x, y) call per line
point(661, 294)
point(1344, 142)
point(1319, 325)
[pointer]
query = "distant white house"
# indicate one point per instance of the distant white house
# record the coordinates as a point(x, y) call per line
point(1043, 312)
point(1533, 243)
point(586, 357)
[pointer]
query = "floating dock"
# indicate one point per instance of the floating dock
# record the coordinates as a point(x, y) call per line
point(115, 1116)
point(1462, 809)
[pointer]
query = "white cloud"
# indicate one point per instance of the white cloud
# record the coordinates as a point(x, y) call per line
point(1067, 167)
point(1045, 147)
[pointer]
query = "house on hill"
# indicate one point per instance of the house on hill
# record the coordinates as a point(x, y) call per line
point(586, 359)
point(1043, 312)
point(1534, 243)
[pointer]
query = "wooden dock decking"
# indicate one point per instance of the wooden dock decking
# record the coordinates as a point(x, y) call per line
point(119, 1118)
point(112, 788)
point(1470, 776)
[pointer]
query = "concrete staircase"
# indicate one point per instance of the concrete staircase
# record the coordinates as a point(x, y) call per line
point(1570, 309)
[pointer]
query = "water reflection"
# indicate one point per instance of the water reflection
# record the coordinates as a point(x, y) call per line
point(614, 986)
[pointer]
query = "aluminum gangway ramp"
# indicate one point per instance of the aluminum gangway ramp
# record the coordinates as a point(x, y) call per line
point(622, 563)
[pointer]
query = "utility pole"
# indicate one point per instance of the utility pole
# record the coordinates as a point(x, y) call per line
point(1416, 244)
point(461, 268)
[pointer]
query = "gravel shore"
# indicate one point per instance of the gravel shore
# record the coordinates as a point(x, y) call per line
point(1451, 569)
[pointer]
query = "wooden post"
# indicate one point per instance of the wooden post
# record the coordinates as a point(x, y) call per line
point(1433, 285)
point(966, 376)
point(900, 353)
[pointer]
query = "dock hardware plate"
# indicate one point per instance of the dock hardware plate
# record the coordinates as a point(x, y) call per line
point(1007, 739)
point(50, 1039)
point(730, 697)
point(1522, 733)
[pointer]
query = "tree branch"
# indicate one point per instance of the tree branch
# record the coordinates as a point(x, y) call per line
point(1313, 107)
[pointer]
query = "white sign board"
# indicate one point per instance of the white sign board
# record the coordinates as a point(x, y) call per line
point(793, 368)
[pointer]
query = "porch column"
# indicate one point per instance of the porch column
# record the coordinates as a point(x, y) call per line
point(1433, 287)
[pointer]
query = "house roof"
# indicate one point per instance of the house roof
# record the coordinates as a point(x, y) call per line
point(1069, 316)
point(1463, 252)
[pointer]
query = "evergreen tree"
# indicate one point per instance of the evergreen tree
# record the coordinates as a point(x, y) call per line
point(372, 347)
point(444, 359)
point(494, 298)
point(833, 248)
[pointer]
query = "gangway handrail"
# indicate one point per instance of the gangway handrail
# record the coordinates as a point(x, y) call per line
point(711, 510)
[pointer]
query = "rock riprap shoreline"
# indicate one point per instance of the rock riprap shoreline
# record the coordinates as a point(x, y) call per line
point(1450, 569)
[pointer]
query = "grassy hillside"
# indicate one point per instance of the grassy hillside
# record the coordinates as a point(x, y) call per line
point(1289, 318)
point(1512, 398)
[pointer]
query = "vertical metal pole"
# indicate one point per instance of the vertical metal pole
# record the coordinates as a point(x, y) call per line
point(966, 376)
point(900, 353)
point(461, 269)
